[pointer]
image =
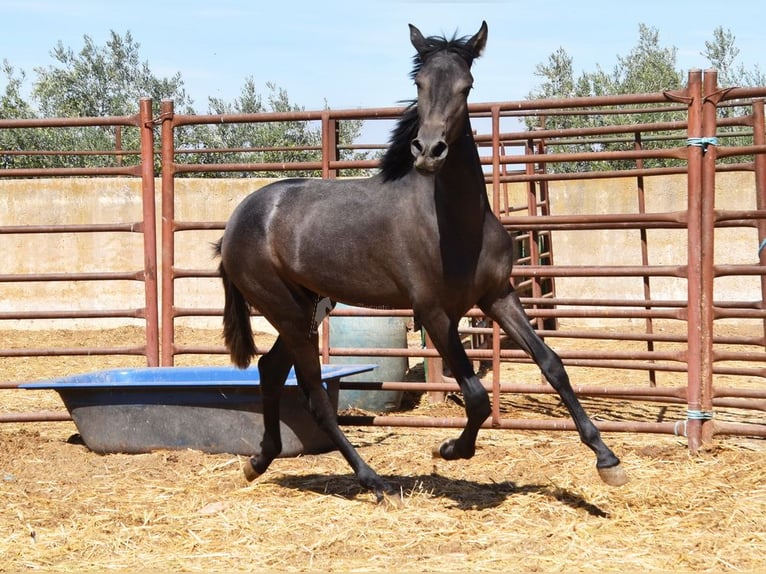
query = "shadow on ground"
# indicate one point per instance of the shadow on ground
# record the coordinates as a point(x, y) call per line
point(465, 494)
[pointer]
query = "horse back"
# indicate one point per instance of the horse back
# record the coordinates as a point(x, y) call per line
point(346, 239)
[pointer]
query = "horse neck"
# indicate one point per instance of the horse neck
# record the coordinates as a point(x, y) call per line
point(462, 179)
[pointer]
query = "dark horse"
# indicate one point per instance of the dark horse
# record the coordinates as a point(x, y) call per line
point(420, 235)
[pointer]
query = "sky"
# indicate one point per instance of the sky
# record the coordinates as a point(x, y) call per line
point(357, 54)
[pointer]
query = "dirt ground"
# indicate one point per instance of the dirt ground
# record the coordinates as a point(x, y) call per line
point(527, 501)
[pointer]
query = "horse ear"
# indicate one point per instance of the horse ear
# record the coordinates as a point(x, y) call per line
point(479, 40)
point(417, 39)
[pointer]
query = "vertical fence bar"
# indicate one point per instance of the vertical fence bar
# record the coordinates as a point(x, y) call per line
point(707, 312)
point(329, 145)
point(168, 232)
point(434, 367)
point(532, 210)
point(118, 140)
point(324, 341)
point(329, 135)
point(759, 138)
point(496, 206)
point(641, 197)
point(496, 160)
point(694, 260)
point(149, 231)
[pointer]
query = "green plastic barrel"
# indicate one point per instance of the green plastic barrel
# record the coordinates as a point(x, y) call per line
point(370, 332)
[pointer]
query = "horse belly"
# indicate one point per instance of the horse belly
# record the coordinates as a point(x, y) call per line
point(349, 277)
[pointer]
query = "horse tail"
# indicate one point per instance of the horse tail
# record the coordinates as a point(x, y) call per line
point(237, 330)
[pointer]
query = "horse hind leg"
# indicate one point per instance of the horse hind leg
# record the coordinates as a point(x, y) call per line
point(292, 317)
point(509, 313)
point(308, 372)
point(273, 368)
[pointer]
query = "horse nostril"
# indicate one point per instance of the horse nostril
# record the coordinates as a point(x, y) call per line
point(428, 154)
point(440, 149)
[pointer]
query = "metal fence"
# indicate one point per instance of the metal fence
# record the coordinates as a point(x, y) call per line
point(695, 147)
point(145, 309)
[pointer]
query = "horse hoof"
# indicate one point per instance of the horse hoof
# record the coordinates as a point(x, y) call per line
point(443, 450)
point(448, 450)
point(389, 499)
point(250, 473)
point(613, 475)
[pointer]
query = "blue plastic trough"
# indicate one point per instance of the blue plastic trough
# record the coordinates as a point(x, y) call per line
point(212, 409)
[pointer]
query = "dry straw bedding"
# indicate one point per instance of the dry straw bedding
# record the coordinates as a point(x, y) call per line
point(526, 501)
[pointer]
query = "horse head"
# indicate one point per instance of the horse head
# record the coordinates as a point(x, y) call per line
point(443, 78)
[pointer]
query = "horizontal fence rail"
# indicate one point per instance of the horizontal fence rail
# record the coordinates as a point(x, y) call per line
point(662, 323)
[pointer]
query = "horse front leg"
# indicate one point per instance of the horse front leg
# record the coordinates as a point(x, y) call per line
point(509, 313)
point(446, 339)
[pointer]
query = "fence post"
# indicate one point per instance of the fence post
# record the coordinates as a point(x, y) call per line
point(330, 138)
point(759, 138)
point(710, 98)
point(643, 236)
point(146, 125)
point(496, 207)
point(168, 240)
point(694, 261)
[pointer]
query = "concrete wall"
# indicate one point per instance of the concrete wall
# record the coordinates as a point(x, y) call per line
point(99, 200)
point(665, 247)
point(102, 200)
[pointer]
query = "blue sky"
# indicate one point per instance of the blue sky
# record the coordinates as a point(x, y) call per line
point(357, 53)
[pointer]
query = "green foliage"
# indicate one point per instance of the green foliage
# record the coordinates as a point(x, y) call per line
point(287, 142)
point(13, 105)
point(97, 81)
point(101, 80)
point(722, 54)
point(256, 142)
point(110, 80)
point(648, 68)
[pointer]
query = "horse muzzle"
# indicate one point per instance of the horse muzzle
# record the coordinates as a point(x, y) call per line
point(429, 158)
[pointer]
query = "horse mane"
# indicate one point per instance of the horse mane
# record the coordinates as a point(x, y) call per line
point(434, 44)
point(397, 160)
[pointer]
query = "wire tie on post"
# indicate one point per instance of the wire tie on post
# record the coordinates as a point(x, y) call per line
point(161, 118)
point(699, 415)
point(761, 246)
point(702, 142)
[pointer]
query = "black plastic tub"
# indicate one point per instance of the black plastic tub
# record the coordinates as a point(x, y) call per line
point(212, 409)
